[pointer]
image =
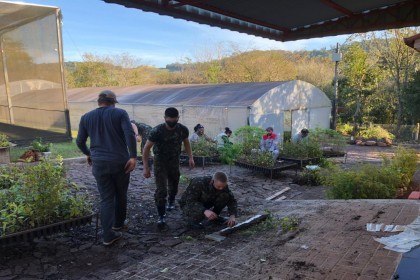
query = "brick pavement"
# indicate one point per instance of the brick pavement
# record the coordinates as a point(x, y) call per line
point(339, 247)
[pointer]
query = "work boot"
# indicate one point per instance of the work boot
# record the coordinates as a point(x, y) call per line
point(162, 214)
point(171, 205)
point(161, 221)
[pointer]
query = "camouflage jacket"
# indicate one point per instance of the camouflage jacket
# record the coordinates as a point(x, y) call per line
point(144, 130)
point(168, 142)
point(201, 195)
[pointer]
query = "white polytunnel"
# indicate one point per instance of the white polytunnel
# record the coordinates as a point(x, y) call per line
point(285, 105)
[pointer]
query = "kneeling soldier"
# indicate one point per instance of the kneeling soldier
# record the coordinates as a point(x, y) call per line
point(204, 199)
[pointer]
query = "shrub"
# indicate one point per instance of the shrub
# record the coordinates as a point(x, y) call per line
point(229, 153)
point(376, 132)
point(263, 159)
point(373, 181)
point(328, 138)
point(248, 137)
point(9, 176)
point(302, 150)
point(287, 136)
point(345, 128)
point(405, 163)
point(40, 146)
point(4, 141)
point(204, 148)
point(39, 196)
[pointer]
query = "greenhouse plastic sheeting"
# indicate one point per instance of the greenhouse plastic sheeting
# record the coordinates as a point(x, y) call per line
point(32, 96)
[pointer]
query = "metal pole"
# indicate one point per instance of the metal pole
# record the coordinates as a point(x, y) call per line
point(335, 101)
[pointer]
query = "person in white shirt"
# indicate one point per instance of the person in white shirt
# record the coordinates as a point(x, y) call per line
point(222, 139)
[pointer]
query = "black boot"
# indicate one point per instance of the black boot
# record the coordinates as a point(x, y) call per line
point(171, 205)
point(162, 214)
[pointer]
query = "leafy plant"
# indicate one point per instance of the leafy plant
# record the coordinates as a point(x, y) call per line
point(376, 132)
point(345, 128)
point(263, 159)
point(248, 137)
point(39, 145)
point(328, 138)
point(38, 195)
point(287, 136)
point(9, 176)
point(4, 141)
point(405, 163)
point(229, 153)
point(373, 181)
point(269, 223)
point(303, 150)
point(184, 180)
point(289, 224)
point(204, 148)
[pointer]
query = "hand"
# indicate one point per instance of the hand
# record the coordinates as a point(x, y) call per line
point(210, 215)
point(146, 172)
point(191, 162)
point(232, 221)
point(89, 160)
point(130, 165)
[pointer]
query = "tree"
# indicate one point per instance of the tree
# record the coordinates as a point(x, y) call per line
point(397, 59)
point(360, 79)
point(412, 98)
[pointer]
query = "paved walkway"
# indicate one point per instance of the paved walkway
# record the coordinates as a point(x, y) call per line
point(332, 244)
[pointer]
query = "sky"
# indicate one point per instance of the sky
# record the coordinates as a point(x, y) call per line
point(93, 26)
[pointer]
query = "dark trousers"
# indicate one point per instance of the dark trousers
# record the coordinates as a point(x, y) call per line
point(167, 180)
point(112, 184)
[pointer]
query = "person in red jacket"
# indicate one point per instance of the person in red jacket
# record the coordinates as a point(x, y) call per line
point(269, 143)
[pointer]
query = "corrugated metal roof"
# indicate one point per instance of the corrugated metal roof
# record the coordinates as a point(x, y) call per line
point(238, 94)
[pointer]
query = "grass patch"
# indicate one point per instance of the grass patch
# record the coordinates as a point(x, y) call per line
point(268, 224)
point(67, 149)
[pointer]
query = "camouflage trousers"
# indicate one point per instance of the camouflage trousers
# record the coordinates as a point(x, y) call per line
point(167, 180)
point(193, 212)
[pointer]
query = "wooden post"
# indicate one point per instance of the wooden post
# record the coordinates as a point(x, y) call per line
point(416, 137)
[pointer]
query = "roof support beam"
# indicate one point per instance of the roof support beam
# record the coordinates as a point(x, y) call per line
point(236, 16)
point(397, 16)
point(337, 7)
point(183, 3)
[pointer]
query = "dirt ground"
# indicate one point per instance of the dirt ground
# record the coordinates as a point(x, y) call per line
point(77, 255)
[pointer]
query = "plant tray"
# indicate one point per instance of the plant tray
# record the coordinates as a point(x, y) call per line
point(302, 162)
point(29, 235)
point(279, 166)
point(199, 160)
point(334, 154)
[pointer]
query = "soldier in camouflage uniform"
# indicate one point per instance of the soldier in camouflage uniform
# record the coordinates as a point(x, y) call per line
point(143, 132)
point(204, 199)
point(166, 140)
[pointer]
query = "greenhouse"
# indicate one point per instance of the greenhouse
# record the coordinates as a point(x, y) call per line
point(286, 105)
point(32, 94)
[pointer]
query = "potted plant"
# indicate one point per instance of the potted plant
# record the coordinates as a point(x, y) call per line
point(4, 149)
point(42, 147)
